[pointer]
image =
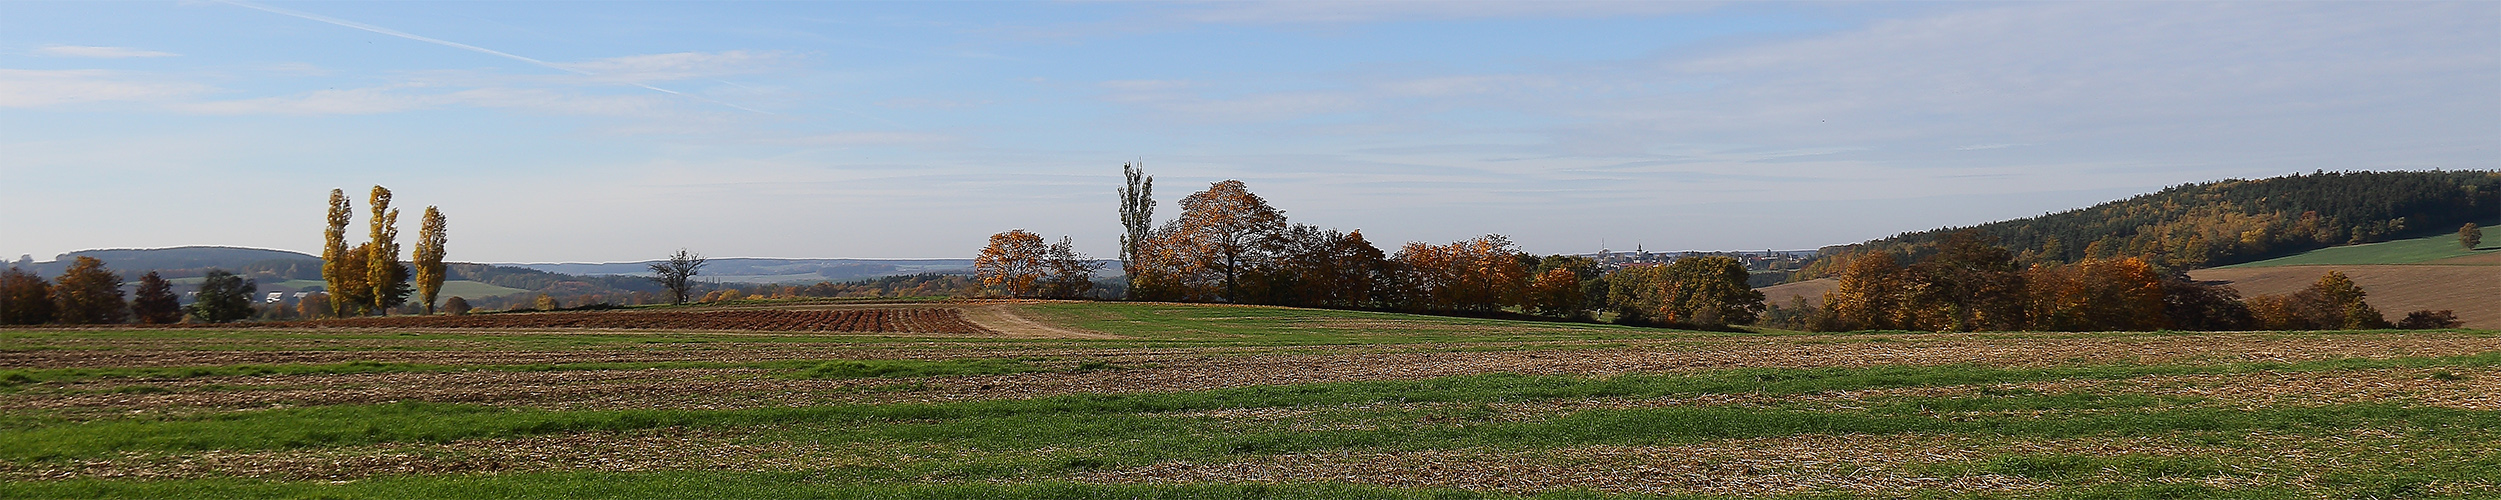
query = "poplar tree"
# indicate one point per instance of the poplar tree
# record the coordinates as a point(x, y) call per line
point(334, 255)
point(383, 275)
point(429, 257)
point(1137, 218)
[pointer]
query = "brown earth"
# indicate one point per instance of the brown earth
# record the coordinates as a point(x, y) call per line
point(2481, 259)
point(2473, 292)
point(1813, 290)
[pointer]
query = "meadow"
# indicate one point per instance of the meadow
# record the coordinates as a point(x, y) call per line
point(1145, 400)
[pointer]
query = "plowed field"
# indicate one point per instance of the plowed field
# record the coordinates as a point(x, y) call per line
point(913, 320)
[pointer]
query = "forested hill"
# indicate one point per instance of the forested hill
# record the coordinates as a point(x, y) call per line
point(2231, 221)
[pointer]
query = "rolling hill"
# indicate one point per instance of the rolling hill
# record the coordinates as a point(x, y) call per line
point(2229, 222)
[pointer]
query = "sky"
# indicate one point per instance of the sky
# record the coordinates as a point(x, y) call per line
point(582, 131)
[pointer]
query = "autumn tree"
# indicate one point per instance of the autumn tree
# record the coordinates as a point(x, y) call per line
point(383, 272)
point(1313, 267)
point(677, 273)
point(2334, 302)
point(1870, 295)
point(1633, 293)
point(25, 299)
point(223, 297)
point(428, 257)
point(2202, 307)
point(2096, 295)
point(314, 306)
point(1478, 275)
point(2427, 319)
point(2470, 236)
point(456, 306)
point(1224, 229)
point(1069, 274)
point(1137, 218)
point(87, 293)
point(1587, 271)
point(1557, 293)
point(1014, 263)
point(1707, 291)
point(154, 302)
point(1968, 284)
point(342, 274)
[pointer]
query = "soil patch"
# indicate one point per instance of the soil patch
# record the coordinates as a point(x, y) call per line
point(2473, 292)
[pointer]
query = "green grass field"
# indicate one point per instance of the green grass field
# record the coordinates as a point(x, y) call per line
point(1249, 402)
point(2412, 251)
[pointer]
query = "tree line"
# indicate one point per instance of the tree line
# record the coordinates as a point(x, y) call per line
point(1228, 245)
point(1969, 284)
point(88, 293)
point(369, 278)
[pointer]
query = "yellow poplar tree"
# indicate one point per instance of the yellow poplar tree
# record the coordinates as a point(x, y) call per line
point(429, 257)
point(334, 254)
point(382, 264)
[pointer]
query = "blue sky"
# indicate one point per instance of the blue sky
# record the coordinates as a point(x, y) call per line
point(599, 131)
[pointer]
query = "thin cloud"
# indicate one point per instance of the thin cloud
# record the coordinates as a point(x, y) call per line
point(20, 88)
point(1341, 12)
point(463, 46)
point(98, 52)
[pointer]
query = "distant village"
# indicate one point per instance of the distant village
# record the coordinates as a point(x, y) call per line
point(1756, 261)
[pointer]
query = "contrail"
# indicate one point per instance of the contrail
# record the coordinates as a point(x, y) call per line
point(462, 46)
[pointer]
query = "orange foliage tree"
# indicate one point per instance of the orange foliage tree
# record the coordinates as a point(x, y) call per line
point(2333, 302)
point(1871, 294)
point(2096, 295)
point(1014, 263)
point(1478, 275)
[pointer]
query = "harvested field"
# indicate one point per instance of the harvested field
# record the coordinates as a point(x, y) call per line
point(1134, 400)
point(2474, 292)
point(914, 320)
point(1812, 290)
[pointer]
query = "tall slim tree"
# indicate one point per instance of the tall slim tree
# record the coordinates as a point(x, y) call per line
point(429, 257)
point(1137, 217)
point(678, 273)
point(155, 302)
point(334, 257)
point(25, 299)
point(87, 293)
point(382, 267)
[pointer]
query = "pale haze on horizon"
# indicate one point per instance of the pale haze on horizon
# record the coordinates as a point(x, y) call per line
point(598, 131)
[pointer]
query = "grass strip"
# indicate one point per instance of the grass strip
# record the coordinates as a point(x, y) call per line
point(1083, 418)
point(714, 484)
point(803, 369)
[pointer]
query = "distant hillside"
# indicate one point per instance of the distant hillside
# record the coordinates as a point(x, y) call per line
point(754, 270)
point(2231, 221)
point(284, 271)
point(184, 262)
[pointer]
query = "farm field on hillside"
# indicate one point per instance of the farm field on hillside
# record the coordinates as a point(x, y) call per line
point(2440, 249)
point(1130, 400)
point(2473, 292)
